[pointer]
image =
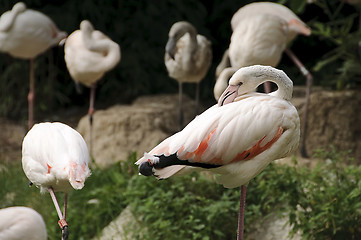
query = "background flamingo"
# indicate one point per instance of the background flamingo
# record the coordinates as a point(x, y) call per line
point(55, 159)
point(261, 32)
point(89, 54)
point(18, 223)
point(26, 33)
point(188, 56)
point(222, 81)
point(235, 139)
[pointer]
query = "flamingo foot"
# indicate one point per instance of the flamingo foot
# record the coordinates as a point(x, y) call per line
point(65, 232)
point(65, 228)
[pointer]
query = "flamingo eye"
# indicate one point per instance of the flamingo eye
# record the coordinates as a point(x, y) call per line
point(240, 83)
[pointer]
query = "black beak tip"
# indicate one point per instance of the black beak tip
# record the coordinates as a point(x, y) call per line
point(145, 169)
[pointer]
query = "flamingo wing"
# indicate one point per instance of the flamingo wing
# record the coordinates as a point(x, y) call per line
point(224, 135)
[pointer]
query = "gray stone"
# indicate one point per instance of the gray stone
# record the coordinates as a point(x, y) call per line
point(123, 129)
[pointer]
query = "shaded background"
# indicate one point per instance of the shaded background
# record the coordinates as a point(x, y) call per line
point(141, 29)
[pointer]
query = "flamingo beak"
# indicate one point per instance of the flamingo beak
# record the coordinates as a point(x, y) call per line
point(228, 95)
point(170, 47)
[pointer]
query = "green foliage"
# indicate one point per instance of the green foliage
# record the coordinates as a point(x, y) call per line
point(339, 29)
point(323, 202)
point(328, 199)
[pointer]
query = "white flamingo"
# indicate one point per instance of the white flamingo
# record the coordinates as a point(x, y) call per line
point(55, 159)
point(89, 54)
point(188, 56)
point(235, 139)
point(26, 33)
point(19, 223)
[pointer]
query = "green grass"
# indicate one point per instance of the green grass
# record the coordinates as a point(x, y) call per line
point(323, 202)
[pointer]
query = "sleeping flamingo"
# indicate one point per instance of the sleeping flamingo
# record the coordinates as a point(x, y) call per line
point(261, 32)
point(89, 54)
point(18, 223)
point(26, 33)
point(188, 56)
point(236, 138)
point(55, 159)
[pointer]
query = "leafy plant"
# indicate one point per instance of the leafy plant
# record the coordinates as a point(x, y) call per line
point(322, 202)
point(338, 28)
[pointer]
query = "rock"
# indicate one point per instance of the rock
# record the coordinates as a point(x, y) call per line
point(273, 227)
point(120, 228)
point(123, 129)
point(11, 138)
point(334, 119)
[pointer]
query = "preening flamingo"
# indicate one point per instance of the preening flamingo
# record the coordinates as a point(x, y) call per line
point(261, 32)
point(19, 223)
point(55, 159)
point(236, 138)
point(89, 54)
point(26, 33)
point(188, 56)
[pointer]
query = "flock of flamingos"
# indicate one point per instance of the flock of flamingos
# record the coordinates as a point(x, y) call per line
point(234, 139)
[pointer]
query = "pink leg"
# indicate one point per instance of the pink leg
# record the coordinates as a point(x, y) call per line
point(31, 95)
point(65, 204)
point(267, 87)
point(309, 78)
point(242, 205)
point(62, 222)
point(90, 113)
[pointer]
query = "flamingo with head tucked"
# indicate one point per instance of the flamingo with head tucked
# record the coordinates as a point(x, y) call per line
point(55, 158)
point(89, 54)
point(26, 33)
point(235, 139)
point(188, 56)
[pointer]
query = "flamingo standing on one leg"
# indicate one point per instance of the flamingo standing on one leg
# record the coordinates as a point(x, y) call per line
point(89, 54)
point(237, 138)
point(18, 223)
point(188, 56)
point(26, 33)
point(55, 158)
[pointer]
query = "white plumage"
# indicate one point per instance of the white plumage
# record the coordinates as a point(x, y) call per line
point(89, 54)
point(55, 158)
point(55, 155)
point(19, 223)
point(261, 32)
point(188, 57)
point(229, 134)
point(188, 54)
point(26, 33)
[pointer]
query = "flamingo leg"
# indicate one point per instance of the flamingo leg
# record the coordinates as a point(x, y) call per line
point(242, 205)
point(180, 114)
point(31, 95)
point(62, 222)
point(267, 87)
point(65, 204)
point(90, 113)
point(309, 81)
point(197, 99)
